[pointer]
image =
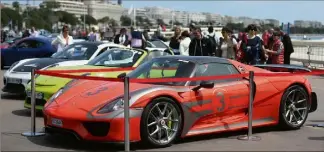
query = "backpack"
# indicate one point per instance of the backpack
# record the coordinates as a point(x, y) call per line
point(213, 43)
point(212, 39)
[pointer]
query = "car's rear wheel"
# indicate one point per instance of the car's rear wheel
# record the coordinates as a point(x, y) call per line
point(294, 108)
point(161, 122)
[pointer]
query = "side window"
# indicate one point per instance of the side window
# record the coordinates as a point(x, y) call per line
point(214, 69)
point(39, 44)
point(24, 44)
point(103, 50)
point(166, 70)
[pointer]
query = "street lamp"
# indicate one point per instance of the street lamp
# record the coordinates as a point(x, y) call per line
point(84, 18)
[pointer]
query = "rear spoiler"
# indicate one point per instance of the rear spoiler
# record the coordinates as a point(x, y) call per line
point(283, 68)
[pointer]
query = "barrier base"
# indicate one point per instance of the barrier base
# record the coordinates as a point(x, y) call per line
point(319, 125)
point(33, 134)
point(249, 138)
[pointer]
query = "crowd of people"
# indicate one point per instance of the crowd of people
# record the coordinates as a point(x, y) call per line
point(273, 47)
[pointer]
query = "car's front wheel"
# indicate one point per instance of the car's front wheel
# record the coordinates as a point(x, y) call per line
point(161, 122)
point(294, 107)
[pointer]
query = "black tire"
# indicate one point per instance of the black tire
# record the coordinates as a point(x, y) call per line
point(283, 120)
point(146, 139)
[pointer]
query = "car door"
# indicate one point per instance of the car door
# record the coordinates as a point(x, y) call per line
point(40, 49)
point(227, 101)
point(27, 49)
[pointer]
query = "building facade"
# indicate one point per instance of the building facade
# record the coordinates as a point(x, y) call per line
point(306, 24)
point(101, 9)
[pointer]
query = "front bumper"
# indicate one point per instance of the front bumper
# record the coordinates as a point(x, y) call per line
point(15, 82)
point(99, 130)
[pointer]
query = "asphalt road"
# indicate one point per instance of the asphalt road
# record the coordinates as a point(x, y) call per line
point(15, 120)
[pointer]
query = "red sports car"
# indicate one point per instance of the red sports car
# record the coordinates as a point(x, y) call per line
point(160, 113)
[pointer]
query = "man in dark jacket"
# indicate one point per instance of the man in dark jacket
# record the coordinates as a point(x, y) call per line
point(122, 37)
point(200, 46)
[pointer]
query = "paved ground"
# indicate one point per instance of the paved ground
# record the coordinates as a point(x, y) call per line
point(15, 120)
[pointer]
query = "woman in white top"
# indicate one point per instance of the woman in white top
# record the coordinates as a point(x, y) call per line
point(63, 40)
point(184, 44)
point(228, 45)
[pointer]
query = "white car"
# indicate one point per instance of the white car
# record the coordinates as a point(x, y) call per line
point(18, 75)
point(160, 46)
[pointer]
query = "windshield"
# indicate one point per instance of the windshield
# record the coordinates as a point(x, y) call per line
point(157, 44)
point(77, 51)
point(164, 68)
point(117, 58)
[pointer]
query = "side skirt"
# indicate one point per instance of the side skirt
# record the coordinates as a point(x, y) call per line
point(231, 127)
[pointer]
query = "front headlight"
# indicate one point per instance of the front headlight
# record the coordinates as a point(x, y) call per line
point(112, 106)
point(54, 96)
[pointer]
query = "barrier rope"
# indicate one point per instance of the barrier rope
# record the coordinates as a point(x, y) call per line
point(63, 74)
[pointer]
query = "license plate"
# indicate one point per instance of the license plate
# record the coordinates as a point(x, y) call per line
point(38, 95)
point(57, 122)
point(13, 80)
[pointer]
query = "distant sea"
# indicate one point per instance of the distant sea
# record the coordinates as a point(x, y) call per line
point(310, 36)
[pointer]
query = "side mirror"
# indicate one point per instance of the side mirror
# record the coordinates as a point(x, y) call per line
point(204, 84)
point(121, 76)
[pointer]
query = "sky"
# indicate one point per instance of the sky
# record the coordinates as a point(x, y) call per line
point(284, 11)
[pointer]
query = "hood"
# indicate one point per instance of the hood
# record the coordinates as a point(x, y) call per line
point(73, 63)
point(60, 82)
point(37, 63)
point(88, 94)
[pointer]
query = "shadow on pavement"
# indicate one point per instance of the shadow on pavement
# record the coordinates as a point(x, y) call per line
point(26, 113)
point(316, 138)
point(12, 96)
point(228, 135)
point(316, 121)
point(69, 143)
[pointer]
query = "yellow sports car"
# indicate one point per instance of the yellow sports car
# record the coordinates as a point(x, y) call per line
point(46, 86)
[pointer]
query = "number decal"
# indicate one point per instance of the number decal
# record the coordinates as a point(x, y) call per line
point(222, 101)
point(97, 91)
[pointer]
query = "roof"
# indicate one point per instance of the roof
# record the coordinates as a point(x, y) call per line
point(198, 59)
point(43, 39)
point(36, 38)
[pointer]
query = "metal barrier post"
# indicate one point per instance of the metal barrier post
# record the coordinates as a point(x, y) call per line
point(33, 132)
point(252, 90)
point(126, 113)
point(309, 55)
